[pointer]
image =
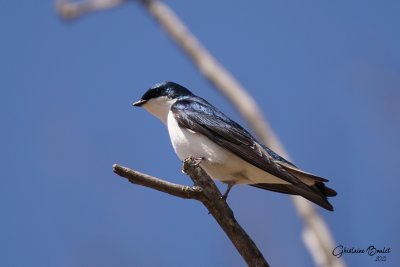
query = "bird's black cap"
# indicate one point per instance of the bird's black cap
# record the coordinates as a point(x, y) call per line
point(169, 89)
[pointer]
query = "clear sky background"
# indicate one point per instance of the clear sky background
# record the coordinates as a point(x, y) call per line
point(325, 73)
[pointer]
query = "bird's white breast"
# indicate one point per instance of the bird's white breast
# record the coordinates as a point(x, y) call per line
point(188, 143)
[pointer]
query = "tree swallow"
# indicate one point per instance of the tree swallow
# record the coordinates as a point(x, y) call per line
point(227, 152)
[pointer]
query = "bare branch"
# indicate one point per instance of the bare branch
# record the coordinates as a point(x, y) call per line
point(206, 191)
point(135, 177)
point(74, 9)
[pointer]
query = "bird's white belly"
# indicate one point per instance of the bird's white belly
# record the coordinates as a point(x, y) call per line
point(218, 162)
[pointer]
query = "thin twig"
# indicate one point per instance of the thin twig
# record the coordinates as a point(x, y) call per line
point(72, 10)
point(206, 192)
point(135, 177)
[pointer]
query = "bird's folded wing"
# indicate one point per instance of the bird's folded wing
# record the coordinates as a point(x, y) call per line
point(301, 174)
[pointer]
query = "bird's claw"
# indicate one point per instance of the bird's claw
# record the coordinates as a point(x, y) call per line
point(194, 161)
point(197, 161)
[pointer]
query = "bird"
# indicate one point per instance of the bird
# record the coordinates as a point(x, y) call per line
point(226, 151)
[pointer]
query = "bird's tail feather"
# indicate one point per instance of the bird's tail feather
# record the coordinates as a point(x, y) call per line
point(318, 193)
point(326, 191)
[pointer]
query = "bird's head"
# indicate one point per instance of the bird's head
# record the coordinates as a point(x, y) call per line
point(159, 98)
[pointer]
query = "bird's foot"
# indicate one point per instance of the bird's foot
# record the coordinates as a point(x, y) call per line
point(195, 161)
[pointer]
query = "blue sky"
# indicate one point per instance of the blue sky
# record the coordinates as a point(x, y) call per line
point(325, 73)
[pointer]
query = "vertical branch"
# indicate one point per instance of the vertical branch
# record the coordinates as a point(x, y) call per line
point(222, 213)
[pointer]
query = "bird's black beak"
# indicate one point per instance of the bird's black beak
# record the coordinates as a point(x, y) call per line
point(139, 103)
